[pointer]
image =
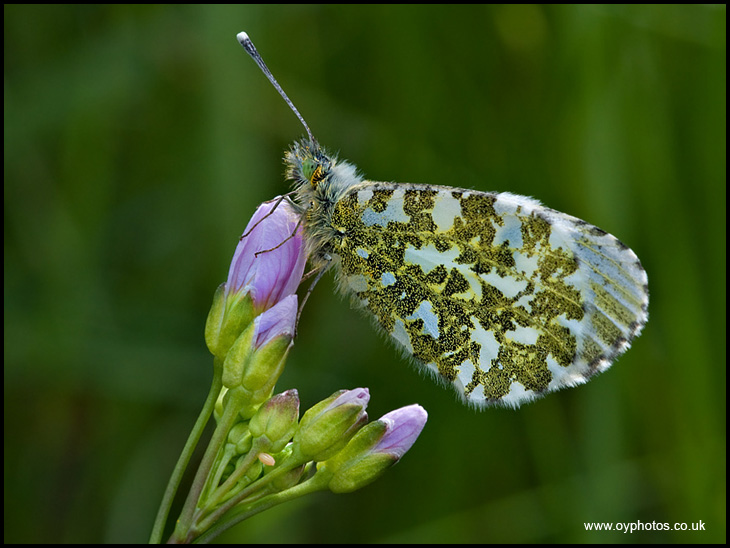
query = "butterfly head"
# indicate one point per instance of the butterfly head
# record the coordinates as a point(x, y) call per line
point(317, 175)
point(307, 164)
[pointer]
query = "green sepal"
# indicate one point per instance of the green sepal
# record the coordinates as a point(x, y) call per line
point(285, 459)
point(228, 317)
point(253, 473)
point(265, 366)
point(323, 433)
point(361, 472)
point(357, 465)
point(238, 357)
point(240, 436)
point(277, 420)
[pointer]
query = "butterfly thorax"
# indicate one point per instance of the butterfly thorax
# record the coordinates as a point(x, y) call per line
point(320, 180)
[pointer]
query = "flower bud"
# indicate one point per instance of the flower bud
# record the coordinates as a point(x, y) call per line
point(329, 425)
point(289, 478)
point(256, 359)
point(240, 437)
point(267, 267)
point(253, 472)
point(375, 448)
point(277, 420)
point(270, 258)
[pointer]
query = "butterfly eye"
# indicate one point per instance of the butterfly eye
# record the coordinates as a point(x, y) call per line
point(312, 171)
point(309, 168)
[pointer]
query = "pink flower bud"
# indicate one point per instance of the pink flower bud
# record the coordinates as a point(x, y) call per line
point(270, 258)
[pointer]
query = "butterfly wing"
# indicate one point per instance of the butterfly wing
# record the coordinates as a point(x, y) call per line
point(493, 293)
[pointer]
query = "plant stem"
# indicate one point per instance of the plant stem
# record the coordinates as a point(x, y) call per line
point(227, 420)
point(313, 484)
point(182, 462)
point(220, 492)
point(217, 513)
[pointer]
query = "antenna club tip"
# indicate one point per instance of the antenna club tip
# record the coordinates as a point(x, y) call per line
point(242, 38)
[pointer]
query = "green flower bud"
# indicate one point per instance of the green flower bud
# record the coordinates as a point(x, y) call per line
point(374, 449)
point(266, 365)
point(277, 420)
point(240, 436)
point(329, 425)
point(256, 360)
point(289, 478)
point(253, 473)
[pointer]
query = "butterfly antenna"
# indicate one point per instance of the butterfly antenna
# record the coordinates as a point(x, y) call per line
point(247, 44)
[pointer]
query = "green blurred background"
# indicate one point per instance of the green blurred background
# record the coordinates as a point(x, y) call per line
point(138, 141)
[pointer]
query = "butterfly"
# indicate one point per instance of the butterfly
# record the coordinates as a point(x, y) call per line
point(491, 293)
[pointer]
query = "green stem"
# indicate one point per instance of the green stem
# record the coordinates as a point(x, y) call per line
point(315, 483)
point(202, 523)
point(187, 452)
point(217, 496)
point(226, 422)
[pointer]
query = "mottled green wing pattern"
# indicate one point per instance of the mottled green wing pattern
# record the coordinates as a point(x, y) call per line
point(493, 293)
